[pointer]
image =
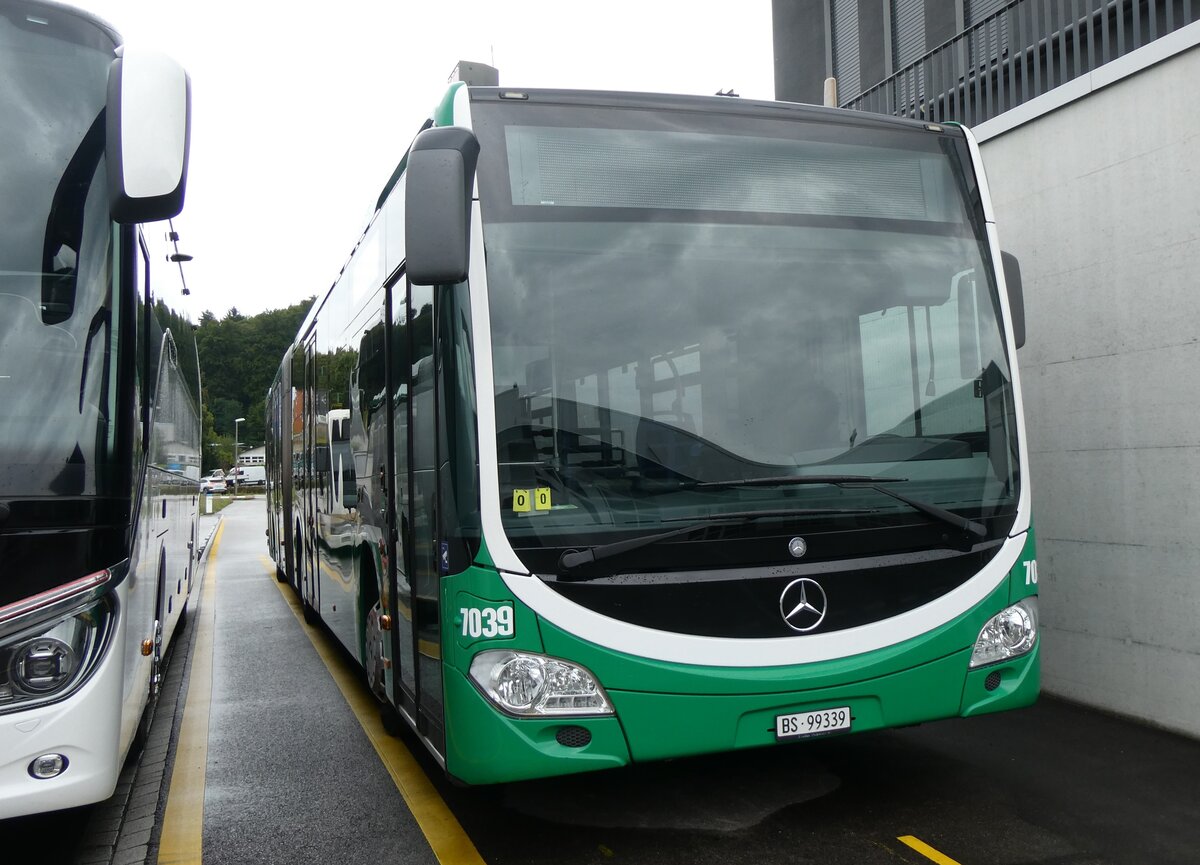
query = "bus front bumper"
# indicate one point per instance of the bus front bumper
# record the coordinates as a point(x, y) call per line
point(84, 728)
point(484, 746)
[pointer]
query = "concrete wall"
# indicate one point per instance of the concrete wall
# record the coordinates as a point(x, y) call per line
point(1100, 200)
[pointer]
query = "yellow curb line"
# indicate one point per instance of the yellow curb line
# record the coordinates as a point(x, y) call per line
point(445, 835)
point(182, 838)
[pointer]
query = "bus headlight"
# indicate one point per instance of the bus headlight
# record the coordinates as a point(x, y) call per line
point(43, 665)
point(531, 685)
point(48, 660)
point(1008, 634)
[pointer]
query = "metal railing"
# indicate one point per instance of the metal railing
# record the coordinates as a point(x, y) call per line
point(1020, 52)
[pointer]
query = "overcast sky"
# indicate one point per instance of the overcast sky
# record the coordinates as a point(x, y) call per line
point(301, 111)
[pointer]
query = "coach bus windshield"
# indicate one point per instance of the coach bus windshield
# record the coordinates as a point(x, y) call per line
point(57, 314)
point(682, 302)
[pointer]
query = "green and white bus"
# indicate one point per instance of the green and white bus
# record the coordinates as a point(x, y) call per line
point(665, 426)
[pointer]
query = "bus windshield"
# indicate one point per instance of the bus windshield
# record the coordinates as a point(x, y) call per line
point(681, 299)
point(57, 314)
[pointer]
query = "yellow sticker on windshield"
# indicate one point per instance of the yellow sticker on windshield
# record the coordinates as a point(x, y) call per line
point(522, 503)
point(541, 498)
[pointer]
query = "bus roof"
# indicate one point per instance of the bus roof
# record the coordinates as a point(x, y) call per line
point(709, 104)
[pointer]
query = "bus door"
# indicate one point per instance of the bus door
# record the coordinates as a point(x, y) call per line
point(417, 639)
point(280, 464)
point(308, 482)
point(293, 500)
point(367, 483)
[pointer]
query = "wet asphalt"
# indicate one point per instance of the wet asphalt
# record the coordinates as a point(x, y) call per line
point(291, 777)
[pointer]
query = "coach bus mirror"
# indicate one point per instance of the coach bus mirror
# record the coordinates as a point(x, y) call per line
point(1016, 296)
point(148, 127)
point(440, 177)
point(321, 458)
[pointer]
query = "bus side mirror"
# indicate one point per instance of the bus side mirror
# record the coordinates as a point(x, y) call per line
point(148, 129)
point(1016, 297)
point(439, 179)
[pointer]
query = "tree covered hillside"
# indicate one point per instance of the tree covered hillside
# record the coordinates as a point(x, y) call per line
point(239, 356)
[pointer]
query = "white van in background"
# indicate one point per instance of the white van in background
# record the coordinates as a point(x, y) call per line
point(247, 476)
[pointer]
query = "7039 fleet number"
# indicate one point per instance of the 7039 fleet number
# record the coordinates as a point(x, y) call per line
point(487, 622)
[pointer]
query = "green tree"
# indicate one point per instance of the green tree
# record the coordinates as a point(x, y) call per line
point(239, 357)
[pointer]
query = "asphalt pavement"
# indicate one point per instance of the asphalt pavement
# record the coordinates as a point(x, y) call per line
point(296, 769)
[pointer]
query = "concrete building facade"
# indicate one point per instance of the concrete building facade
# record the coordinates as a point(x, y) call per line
point(1096, 184)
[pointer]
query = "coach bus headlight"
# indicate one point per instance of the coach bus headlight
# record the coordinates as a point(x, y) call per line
point(1008, 634)
point(44, 665)
point(48, 660)
point(531, 685)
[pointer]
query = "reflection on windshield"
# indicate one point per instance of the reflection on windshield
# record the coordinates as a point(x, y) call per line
point(56, 312)
point(54, 376)
point(680, 299)
point(633, 360)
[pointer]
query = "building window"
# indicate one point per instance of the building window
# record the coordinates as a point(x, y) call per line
point(845, 47)
point(908, 32)
point(990, 43)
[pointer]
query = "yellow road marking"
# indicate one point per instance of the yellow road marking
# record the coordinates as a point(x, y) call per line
point(442, 830)
point(926, 851)
point(181, 842)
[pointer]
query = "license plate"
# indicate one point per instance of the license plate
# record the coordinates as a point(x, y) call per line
point(800, 724)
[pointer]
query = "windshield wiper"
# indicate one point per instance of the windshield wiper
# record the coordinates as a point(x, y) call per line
point(866, 482)
point(574, 558)
point(979, 530)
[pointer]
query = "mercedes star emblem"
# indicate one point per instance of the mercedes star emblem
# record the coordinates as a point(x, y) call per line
point(803, 604)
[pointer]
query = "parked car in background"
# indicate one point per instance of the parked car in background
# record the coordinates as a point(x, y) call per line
point(213, 484)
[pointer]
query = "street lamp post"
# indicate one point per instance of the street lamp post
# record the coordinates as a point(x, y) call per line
point(236, 421)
